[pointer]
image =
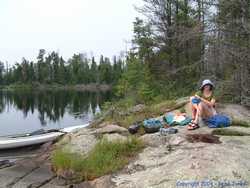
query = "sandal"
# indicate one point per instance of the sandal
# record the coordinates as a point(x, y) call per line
point(193, 126)
point(191, 122)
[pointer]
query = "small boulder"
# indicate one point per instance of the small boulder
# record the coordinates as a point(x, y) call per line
point(80, 142)
point(104, 124)
point(153, 140)
point(112, 129)
point(104, 181)
point(235, 111)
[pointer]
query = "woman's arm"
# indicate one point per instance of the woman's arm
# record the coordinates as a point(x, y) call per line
point(213, 102)
point(210, 103)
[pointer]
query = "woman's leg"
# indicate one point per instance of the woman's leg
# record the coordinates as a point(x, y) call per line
point(194, 123)
point(206, 111)
point(195, 115)
point(194, 108)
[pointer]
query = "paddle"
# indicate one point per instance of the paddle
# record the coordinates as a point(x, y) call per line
point(42, 131)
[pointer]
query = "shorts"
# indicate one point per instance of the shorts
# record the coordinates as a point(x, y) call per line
point(196, 100)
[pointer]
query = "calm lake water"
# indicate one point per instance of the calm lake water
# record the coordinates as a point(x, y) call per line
point(28, 111)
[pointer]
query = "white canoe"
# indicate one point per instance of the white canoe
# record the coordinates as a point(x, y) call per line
point(73, 128)
point(16, 142)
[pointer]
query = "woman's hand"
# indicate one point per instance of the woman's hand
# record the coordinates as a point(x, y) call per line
point(212, 103)
point(197, 96)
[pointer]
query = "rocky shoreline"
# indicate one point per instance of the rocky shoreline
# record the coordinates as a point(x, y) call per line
point(167, 161)
point(77, 87)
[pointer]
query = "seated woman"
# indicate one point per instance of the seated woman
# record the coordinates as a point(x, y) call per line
point(203, 104)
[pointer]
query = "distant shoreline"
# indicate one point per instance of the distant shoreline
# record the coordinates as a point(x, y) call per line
point(77, 87)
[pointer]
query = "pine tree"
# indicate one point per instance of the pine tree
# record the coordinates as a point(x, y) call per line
point(94, 76)
point(1, 73)
point(40, 62)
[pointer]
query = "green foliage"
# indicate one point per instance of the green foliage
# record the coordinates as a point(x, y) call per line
point(233, 69)
point(146, 93)
point(164, 62)
point(135, 82)
point(51, 68)
point(124, 116)
point(1, 72)
point(105, 158)
point(143, 39)
point(105, 70)
point(172, 49)
point(240, 123)
point(228, 132)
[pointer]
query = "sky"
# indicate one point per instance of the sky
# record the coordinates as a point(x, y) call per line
point(67, 26)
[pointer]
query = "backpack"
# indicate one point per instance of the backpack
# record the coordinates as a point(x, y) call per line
point(218, 121)
point(134, 128)
point(152, 125)
point(171, 119)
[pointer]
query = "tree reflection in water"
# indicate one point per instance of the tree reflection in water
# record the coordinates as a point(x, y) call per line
point(52, 105)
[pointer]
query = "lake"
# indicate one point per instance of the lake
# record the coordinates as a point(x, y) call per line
point(26, 111)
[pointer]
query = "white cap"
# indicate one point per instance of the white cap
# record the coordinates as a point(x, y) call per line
point(206, 82)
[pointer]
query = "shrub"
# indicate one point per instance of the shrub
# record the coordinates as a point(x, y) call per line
point(105, 158)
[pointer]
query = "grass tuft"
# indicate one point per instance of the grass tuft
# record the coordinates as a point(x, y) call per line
point(240, 123)
point(128, 118)
point(227, 132)
point(105, 158)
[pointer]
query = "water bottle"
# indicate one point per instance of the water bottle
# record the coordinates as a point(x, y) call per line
point(166, 131)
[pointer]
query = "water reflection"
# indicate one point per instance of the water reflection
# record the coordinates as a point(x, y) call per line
point(51, 107)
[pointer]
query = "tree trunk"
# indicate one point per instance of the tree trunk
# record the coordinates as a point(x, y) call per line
point(187, 42)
